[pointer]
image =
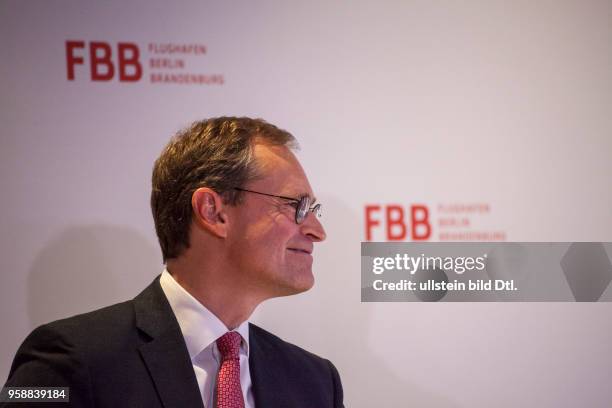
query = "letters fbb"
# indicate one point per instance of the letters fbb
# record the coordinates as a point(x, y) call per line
point(101, 60)
point(395, 223)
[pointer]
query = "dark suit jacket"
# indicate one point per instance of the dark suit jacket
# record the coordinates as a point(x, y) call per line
point(133, 354)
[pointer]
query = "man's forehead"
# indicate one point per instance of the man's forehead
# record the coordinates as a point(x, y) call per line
point(280, 170)
point(273, 156)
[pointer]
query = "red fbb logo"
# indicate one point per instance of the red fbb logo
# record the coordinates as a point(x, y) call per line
point(101, 63)
point(395, 225)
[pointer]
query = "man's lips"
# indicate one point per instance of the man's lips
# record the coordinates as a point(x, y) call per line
point(307, 251)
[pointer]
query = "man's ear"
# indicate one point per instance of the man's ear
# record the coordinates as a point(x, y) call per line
point(209, 211)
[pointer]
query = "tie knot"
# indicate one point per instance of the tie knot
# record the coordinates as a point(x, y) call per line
point(229, 345)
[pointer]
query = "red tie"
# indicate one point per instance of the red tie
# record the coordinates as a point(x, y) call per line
point(229, 393)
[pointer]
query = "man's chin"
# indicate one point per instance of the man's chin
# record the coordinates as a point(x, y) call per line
point(301, 283)
point(305, 286)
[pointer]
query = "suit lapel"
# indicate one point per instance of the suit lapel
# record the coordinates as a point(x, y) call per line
point(263, 394)
point(165, 353)
point(270, 385)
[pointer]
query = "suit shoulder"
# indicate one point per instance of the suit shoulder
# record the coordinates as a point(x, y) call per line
point(116, 316)
point(98, 329)
point(61, 353)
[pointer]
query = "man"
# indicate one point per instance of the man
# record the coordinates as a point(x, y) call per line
point(236, 221)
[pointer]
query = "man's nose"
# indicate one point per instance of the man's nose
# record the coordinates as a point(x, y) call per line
point(313, 228)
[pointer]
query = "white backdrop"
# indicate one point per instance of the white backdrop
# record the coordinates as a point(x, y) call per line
point(504, 103)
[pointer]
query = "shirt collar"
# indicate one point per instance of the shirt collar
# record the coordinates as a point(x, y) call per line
point(200, 327)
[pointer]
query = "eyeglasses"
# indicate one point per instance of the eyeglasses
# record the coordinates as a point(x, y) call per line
point(301, 205)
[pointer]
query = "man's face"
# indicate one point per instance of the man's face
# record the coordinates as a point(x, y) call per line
point(272, 253)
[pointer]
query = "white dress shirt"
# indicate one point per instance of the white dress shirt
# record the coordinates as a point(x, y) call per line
point(201, 329)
